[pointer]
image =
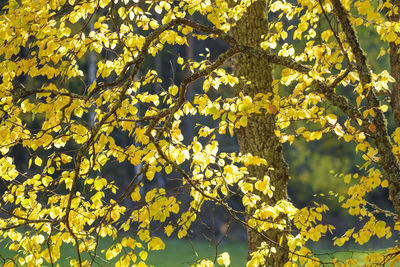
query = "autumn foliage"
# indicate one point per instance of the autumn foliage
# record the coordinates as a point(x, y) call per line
point(67, 125)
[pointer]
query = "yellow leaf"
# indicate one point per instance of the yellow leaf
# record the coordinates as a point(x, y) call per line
point(38, 161)
point(46, 180)
point(331, 118)
point(85, 166)
point(224, 259)
point(276, 6)
point(100, 183)
point(122, 12)
point(150, 175)
point(384, 108)
point(380, 228)
point(136, 194)
point(173, 90)
point(347, 178)
point(381, 52)
point(168, 169)
point(102, 159)
point(78, 112)
point(104, 3)
point(26, 203)
point(150, 195)
point(197, 147)
point(65, 158)
point(348, 137)
point(158, 9)
point(325, 35)
point(143, 255)
point(154, 24)
point(397, 226)
point(156, 244)
point(51, 170)
point(168, 230)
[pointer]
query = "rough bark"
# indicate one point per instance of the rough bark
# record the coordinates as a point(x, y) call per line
point(258, 137)
point(395, 71)
point(395, 97)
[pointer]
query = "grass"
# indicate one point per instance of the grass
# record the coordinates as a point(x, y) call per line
point(185, 253)
point(176, 253)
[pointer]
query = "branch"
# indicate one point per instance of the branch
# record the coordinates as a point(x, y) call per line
point(381, 137)
point(137, 62)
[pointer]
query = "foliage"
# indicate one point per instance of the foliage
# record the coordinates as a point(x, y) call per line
point(60, 196)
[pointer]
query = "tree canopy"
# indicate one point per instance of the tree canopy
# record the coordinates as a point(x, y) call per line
point(60, 125)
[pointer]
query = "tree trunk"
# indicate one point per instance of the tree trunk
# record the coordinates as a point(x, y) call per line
point(258, 137)
point(395, 102)
point(395, 71)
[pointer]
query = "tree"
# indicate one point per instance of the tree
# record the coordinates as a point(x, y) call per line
point(61, 195)
point(258, 136)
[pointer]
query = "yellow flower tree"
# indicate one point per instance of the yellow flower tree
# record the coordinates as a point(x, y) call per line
point(67, 126)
